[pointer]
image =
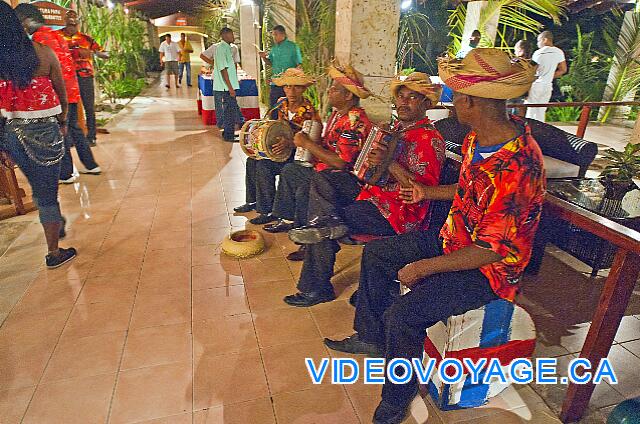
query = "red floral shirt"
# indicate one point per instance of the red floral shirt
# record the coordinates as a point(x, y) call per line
point(345, 135)
point(422, 153)
point(52, 39)
point(497, 207)
point(305, 112)
point(77, 41)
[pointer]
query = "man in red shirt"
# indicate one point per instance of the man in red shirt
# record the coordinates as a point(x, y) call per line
point(339, 203)
point(83, 48)
point(33, 22)
point(481, 251)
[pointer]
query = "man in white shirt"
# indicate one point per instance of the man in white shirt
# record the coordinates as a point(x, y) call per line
point(169, 56)
point(551, 65)
point(207, 56)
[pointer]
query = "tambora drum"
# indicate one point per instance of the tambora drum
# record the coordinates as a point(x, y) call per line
point(314, 130)
point(379, 174)
point(258, 136)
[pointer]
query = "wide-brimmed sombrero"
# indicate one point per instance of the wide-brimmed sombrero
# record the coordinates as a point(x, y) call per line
point(349, 78)
point(489, 73)
point(293, 76)
point(418, 82)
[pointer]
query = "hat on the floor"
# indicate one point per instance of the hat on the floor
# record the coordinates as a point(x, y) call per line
point(488, 73)
point(293, 76)
point(349, 78)
point(418, 82)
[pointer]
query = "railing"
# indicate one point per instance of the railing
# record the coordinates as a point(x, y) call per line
point(583, 122)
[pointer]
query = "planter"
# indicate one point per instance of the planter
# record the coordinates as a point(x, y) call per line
point(614, 192)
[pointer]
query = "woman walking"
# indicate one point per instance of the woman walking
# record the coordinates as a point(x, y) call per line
point(33, 109)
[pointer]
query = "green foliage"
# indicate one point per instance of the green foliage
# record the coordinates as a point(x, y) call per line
point(124, 36)
point(626, 65)
point(625, 165)
point(415, 29)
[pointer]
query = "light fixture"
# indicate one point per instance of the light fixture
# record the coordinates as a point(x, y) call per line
point(406, 4)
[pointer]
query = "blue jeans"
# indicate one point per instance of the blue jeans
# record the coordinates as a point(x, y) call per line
point(217, 100)
point(275, 93)
point(43, 179)
point(230, 112)
point(182, 66)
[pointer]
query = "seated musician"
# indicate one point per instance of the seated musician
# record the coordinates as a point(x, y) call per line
point(338, 203)
point(481, 251)
point(260, 175)
point(342, 140)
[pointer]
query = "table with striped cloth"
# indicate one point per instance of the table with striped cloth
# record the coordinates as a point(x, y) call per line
point(247, 97)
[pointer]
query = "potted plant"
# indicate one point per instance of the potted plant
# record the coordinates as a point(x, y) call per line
point(617, 177)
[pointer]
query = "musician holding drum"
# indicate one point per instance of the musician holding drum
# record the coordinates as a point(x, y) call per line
point(263, 166)
point(340, 145)
point(412, 150)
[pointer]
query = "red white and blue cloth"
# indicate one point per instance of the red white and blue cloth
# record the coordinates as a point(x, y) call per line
point(247, 97)
point(500, 329)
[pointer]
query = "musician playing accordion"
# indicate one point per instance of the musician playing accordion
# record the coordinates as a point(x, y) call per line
point(339, 203)
point(260, 175)
point(337, 151)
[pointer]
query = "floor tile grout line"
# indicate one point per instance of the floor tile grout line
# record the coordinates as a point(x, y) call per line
point(126, 337)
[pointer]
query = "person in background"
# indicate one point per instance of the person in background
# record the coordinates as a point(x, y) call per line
point(521, 50)
point(169, 56)
point(33, 110)
point(207, 56)
point(551, 65)
point(33, 23)
point(474, 41)
point(83, 47)
point(284, 54)
point(185, 58)
point(225, 82)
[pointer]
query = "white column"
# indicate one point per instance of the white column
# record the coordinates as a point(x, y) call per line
point(473, 21)
point(249, 38)
point(366, 37)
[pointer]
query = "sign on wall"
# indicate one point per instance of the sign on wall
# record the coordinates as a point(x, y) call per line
point(53, 14)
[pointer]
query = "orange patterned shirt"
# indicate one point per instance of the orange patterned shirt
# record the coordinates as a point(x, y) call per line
point(497, 207)
point(77, 41)
point(52, 39)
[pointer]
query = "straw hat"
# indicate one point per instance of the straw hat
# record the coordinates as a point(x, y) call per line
point(489, 73)
point(418, 82)
point(293, 76)
point(349, 78)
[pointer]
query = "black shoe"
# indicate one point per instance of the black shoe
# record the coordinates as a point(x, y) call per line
point(247, 207)
point(387, 413)
point(62, 233)
point(298, 255)
point(189, 85)
point(353, 344)
point(263, 218)
point(62, 258)
point(319, 229)
point(92, 143)
point(308, 299)
point(281, 226)
point(353, 300)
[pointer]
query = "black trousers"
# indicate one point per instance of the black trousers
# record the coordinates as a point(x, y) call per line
point(88, 96)
point(275, 93)
point(334, 193)
point(398, 322)
point(292, 195)
point(76, 137)
point(260, 182)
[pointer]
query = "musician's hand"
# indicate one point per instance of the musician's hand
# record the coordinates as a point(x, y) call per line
point(411, 274)
point(84, 53)
point(414, 194)
point(280, 145)
point(301, 139)
point(376, 154)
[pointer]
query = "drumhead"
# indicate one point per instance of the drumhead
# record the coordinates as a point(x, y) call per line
point(272, 131)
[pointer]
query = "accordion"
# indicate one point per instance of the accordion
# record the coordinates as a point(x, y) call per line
point(377, 174)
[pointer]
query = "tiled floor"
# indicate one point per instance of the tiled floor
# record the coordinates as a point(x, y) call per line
point(151, 324)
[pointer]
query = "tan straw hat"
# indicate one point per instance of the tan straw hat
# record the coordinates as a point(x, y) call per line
point(489, 73)
point(349, 78)
point(418, 82)
point(293, 76)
